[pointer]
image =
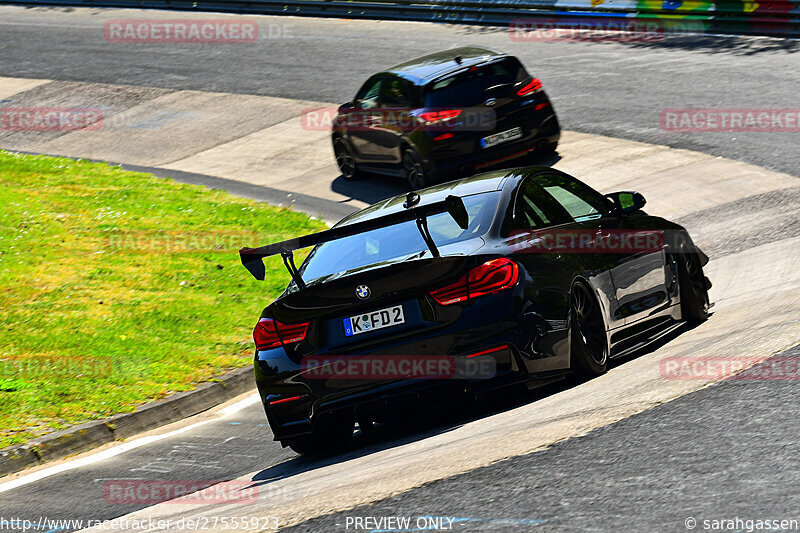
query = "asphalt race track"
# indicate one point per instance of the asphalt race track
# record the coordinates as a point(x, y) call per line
point(629, 451)
point(640, 474)
point(222, 447)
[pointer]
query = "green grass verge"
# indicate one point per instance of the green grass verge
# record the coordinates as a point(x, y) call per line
point(117, 288)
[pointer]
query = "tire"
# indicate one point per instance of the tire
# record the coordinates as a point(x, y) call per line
point(330, 435)
point(415, 171)
point(691, 285)
point(345, 160)
point(588, 342)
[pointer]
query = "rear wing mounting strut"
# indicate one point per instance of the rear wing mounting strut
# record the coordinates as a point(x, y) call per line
point(253, 258)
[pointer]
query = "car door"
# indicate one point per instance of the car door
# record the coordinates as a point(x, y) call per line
point(532, 219)
point(641, 276)
point(396, 103)
point(638, 275)
point(363, 117)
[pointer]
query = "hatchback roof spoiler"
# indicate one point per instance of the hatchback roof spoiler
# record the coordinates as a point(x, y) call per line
point(252, 258)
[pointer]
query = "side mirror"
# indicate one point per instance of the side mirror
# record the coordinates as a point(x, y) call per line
point(626, 201)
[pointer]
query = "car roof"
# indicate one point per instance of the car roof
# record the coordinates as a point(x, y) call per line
point(479, 183)
point(426, 68)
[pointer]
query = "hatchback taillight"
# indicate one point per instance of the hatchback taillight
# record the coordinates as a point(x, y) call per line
point(432, 117)
point(490, 277)
point(533, 86)
point(270, 333)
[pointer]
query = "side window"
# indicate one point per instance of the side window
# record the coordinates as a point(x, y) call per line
point(395, 94)
point(535, 209)
point(579, 200)
point(367, 97)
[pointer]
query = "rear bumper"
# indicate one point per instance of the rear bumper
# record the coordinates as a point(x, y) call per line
point(463, 158)
point(309, 399)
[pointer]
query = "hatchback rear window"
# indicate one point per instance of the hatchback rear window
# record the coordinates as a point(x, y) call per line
point(468, 88)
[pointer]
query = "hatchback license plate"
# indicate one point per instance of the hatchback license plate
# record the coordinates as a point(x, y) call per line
point(503, 136)
point(374, 320)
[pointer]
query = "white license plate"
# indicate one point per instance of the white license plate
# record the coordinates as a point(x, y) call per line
point(373, 320)
point(503, 136)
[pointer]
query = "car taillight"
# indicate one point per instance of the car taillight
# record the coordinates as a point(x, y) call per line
point(491, 277)
point(533, 86)
point(266, 335)
point(432, 117)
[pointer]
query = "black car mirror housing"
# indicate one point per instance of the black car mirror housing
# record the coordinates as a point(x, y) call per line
point(626, 201)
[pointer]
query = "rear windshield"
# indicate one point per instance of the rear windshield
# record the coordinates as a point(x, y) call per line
point(401, 241)
point(469, 88)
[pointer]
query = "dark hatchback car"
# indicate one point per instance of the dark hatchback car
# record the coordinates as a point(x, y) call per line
point(507, 277)
point(447, 114)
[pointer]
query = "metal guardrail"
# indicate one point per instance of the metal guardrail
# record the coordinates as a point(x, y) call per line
point(736, 17)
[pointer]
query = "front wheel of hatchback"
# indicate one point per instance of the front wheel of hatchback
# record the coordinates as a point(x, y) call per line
point(345, 160)
point(588, 342)
point(415, 171)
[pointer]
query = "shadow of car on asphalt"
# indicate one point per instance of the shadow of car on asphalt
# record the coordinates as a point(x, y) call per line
point(373, 188)
point(443, 420)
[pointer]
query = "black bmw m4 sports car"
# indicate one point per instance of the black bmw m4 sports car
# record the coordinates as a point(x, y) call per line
point(507, 277)
point(447, 114)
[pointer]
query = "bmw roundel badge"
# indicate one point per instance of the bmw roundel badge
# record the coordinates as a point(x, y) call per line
point(363, 292)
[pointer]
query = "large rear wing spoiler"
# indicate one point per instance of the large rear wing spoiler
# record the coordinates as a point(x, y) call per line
point(252, 258)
